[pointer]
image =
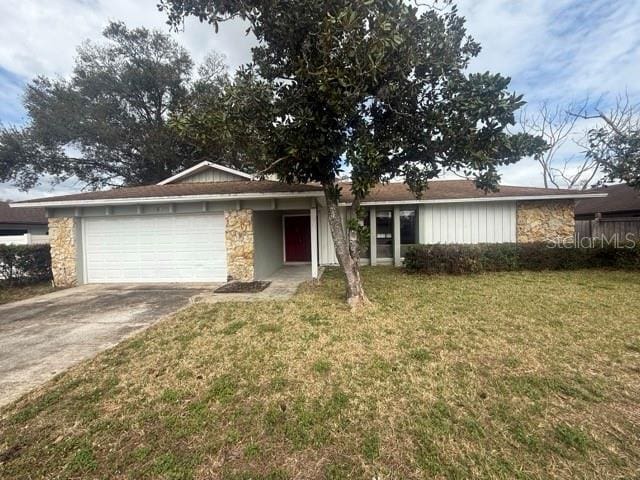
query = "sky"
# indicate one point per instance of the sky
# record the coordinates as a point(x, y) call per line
point(554, 50)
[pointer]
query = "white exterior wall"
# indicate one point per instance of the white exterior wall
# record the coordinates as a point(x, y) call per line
point(474, 222)
point(326, 249)
point(267, 243)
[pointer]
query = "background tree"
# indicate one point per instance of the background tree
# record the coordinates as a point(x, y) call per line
point(559, 127)
point(374, 85)
point(615, 143)
point(223, 119)
point(109, 123)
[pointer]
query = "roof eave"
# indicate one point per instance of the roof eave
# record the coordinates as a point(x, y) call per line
point(512, 198)
point(166, 199)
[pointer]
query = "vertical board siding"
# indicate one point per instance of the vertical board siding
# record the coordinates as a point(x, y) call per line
point(327, 252)
point(211, 175)
point(487, 222)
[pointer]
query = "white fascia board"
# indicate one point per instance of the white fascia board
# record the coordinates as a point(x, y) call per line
point(168, 199)
point(201, 166)
point(481, 199)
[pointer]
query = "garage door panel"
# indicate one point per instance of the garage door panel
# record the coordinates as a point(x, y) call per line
point(179, 248)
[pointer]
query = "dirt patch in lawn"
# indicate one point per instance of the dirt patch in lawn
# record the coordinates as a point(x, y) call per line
point(15, 293)
point(243, 287)
point(511, 375)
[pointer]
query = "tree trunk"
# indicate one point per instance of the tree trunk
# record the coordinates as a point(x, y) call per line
point(347, 251)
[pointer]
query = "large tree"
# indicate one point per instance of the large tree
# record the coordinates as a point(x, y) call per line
point(615, 143)
point(372, 85)
point(108, 124)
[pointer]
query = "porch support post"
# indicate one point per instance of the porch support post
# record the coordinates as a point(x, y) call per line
point(396, 237)
point(313, 216)
point(372, 237)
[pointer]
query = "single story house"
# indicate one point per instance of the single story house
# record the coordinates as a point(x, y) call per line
point(24, 226)
point(211, 223)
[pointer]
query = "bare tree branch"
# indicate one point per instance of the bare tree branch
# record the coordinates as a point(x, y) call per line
point(558, 126)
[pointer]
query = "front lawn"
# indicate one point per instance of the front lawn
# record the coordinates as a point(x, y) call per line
point(22, 292)
point(511, 375)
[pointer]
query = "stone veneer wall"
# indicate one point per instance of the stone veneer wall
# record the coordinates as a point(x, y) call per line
point(62, 238)
point(539, 221)
point(239, 243)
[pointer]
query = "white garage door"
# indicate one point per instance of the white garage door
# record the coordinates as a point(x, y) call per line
point(169, 248)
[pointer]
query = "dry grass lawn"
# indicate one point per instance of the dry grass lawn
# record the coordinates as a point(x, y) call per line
point(22, 292)
point(510, 375)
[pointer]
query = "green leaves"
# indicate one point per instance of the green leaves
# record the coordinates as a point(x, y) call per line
point(373, 85)
point(616, 147)
point(112, 122)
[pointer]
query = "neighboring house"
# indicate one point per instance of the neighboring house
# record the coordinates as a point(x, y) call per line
point(211, 223)
point(621, 201)
point(24, 226)
point(617, 214)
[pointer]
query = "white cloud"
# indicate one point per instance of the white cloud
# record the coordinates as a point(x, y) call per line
point(48, 187)
point(40, 37)
point(558, 49)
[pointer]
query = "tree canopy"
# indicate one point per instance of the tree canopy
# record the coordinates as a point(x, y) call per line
point(376, 86)
point(615, 144)
point(110, 123)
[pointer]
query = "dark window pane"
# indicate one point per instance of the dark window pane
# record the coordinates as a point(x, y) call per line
point(408, 230)
point(11, 233)
point(407, 226)
point(384, 234)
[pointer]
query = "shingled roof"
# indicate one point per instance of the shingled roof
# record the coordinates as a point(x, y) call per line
point(259, 187)
point(24, 216)
point(451, 190)
point(442, 190)
point(620, 198)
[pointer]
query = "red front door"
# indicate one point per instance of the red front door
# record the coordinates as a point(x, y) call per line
point(297, 239)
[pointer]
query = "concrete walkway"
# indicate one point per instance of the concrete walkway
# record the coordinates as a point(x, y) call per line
point(284, 284)
point(45, 335)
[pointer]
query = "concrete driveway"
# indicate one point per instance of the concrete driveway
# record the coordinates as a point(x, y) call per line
point(45, 335)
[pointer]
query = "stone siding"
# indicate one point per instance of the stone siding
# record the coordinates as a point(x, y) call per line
point(239, 243)
point(539, 221)
point(62, 238)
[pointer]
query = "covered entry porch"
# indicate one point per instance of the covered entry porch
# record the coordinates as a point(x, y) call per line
point(285, 238)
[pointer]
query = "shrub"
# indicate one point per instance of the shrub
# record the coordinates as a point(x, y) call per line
point(497, 257)
point(25, 263)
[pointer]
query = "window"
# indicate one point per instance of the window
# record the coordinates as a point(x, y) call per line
point(11, 233)
point(384, 233)
point(408, 230)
